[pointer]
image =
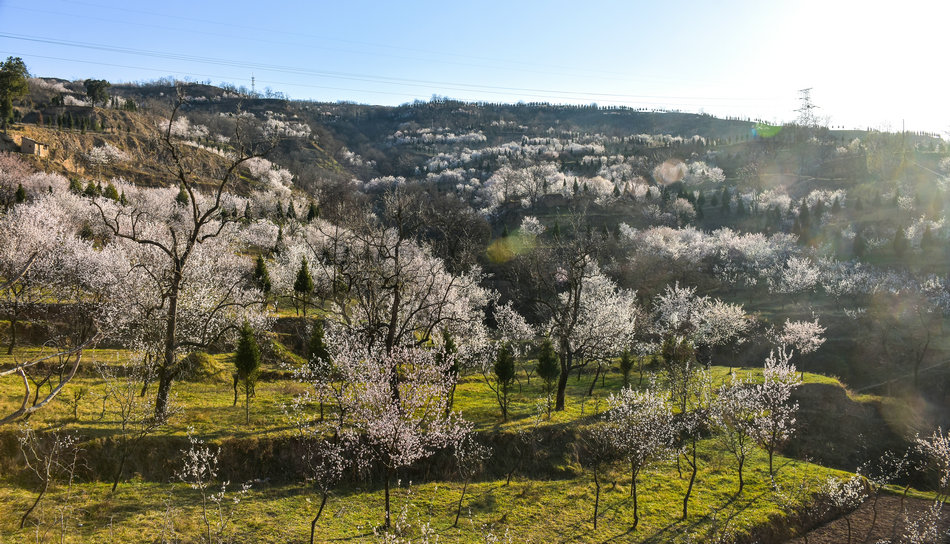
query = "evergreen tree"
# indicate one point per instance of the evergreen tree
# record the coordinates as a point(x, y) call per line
point(291, 211)
point(182, 197)
point(859, 247)
point(548, 369)
point(449, 351)
point(313, 212)
point(247, 365)
point(248, 215)
point(318, 356)
point(122, 199)
point(111, 192)
point(20, 195)
point(261, 275)
point(901, 243)
point(13, 86)
point(279, 243)
point(626, 365)
point(75, 186)
point(303, 286)
point(92, 190)
point(504, 370)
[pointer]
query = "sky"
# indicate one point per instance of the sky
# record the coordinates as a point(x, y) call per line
point(868, 64)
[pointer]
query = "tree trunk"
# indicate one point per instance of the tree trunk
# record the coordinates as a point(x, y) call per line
point(596, 497)
point(562, 383)
point(741, 482)
point(313, 524)
point(167, 370)
point(590, 390)
point(386, 488)
point(771, 470)
point(118, 473)
point(458, 511)
point(235, 390)
point(247, 405)
point(13, 322)
point(37, 501)
point(164, 391)
point(633, 492)
point(692, 479)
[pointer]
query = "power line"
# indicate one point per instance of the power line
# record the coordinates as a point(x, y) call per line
point(662, 105)
point(258, 30)
point(494, 89)
point(518, 66)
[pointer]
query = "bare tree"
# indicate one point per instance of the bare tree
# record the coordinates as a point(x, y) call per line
point(596, 451)
point(51, 456)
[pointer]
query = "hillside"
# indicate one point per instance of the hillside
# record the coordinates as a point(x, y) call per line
point(541, 322)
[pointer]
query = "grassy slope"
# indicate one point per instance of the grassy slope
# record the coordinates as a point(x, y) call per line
point(531, 510)
point(544, 510)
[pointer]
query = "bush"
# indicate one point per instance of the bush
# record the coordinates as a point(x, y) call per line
point(200, 367)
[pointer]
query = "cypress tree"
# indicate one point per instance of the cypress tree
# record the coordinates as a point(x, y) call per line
point(279, 243)
point(859, 246)
point(291, 211)
point(182, 197)
point(247, 365)
point(20, 195)
point(448, 352)
point(900, 242)
point(626, 365)
point(261, 274)
point(318, 356)
point(313, 212)
point(303, 286)
point(111, 192)
point(504, 370)
point(92, 190)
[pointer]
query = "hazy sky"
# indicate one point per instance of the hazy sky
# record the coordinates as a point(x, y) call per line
point(869, 63)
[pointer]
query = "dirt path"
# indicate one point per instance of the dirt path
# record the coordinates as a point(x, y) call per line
point(889, 523)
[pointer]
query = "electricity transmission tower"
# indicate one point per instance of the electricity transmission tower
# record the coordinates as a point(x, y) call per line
point(806, 109)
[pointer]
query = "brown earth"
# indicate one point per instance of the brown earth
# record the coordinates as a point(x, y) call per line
point(888, 524)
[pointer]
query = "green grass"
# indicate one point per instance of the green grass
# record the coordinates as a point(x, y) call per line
point(529, 510)
point(206, 407)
